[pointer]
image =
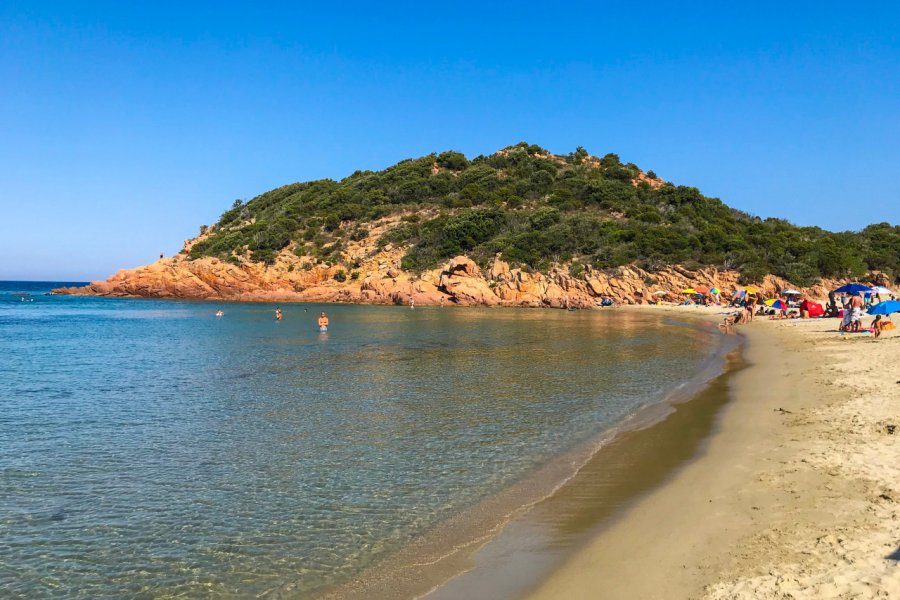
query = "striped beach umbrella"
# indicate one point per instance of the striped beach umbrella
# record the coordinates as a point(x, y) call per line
point(775, 303)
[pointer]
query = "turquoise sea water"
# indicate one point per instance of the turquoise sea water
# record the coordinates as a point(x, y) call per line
point(151, 449)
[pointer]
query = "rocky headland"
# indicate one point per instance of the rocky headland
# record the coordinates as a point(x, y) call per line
point(380, 280)
point(520, 227)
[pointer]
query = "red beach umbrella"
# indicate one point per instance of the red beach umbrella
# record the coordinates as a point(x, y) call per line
point(701, 289)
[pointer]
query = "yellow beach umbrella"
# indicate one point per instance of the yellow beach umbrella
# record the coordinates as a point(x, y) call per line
point(689, 291)
point(751, 289)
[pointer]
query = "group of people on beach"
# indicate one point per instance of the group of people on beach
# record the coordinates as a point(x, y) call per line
point(853, 308)
point(849, 307)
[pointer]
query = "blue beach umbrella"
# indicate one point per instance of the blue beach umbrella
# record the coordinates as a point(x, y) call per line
point(885, 308)
point(852, 288)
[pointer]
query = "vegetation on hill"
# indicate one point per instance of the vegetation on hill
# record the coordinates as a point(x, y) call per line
point(537, 209)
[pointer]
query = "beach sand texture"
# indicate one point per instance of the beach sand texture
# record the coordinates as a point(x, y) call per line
point(796, 496)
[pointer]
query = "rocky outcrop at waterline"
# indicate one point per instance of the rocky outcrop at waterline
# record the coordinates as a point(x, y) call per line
point(380, 280)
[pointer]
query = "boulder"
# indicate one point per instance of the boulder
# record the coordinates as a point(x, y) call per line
point(463, 266)
point(499, 269)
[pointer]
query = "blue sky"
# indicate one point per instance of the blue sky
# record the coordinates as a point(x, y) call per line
point(123, 128)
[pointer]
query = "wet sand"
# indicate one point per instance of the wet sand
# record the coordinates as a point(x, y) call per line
point(794, 495)
point(503, 546)
point(631, 465)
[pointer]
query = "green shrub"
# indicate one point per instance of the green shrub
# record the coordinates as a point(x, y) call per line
point(455, 161)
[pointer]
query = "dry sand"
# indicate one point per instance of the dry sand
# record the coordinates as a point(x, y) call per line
point(797, 494)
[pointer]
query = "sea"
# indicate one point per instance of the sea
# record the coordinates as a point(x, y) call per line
point(149, 448)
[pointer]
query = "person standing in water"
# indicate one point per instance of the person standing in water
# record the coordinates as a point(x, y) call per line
point(278, 315)
point(323, 322)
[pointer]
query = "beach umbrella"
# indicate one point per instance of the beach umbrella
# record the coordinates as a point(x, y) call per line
point(702, 289)
point(714, 291)
point(739, 294)
point(885, 308)
point(881, 290)
point(661, 293)
point(689, 291)
point(852, 288)
point(774, 303)
point(791, 292)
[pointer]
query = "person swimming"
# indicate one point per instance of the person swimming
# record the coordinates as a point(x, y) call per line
point(323, 322)
point(220, 313)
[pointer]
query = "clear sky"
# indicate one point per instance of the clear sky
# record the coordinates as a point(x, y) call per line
point(125, 126)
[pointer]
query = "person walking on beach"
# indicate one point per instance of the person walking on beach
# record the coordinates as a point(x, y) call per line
point(323, 322)
point(751, 308)
point(856, 306)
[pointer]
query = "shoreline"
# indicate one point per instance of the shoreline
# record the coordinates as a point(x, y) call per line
point(435, 562)
point(793, 496)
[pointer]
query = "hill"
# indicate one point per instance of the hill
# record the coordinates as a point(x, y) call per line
point(537, 209)
point(521, 227)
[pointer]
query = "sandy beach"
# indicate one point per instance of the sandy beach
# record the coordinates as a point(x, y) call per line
point(795, 495)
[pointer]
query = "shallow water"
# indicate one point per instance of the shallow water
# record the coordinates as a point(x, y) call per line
point(149, 448)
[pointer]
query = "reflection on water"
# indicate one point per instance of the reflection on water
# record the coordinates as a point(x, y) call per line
point(150, 448)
